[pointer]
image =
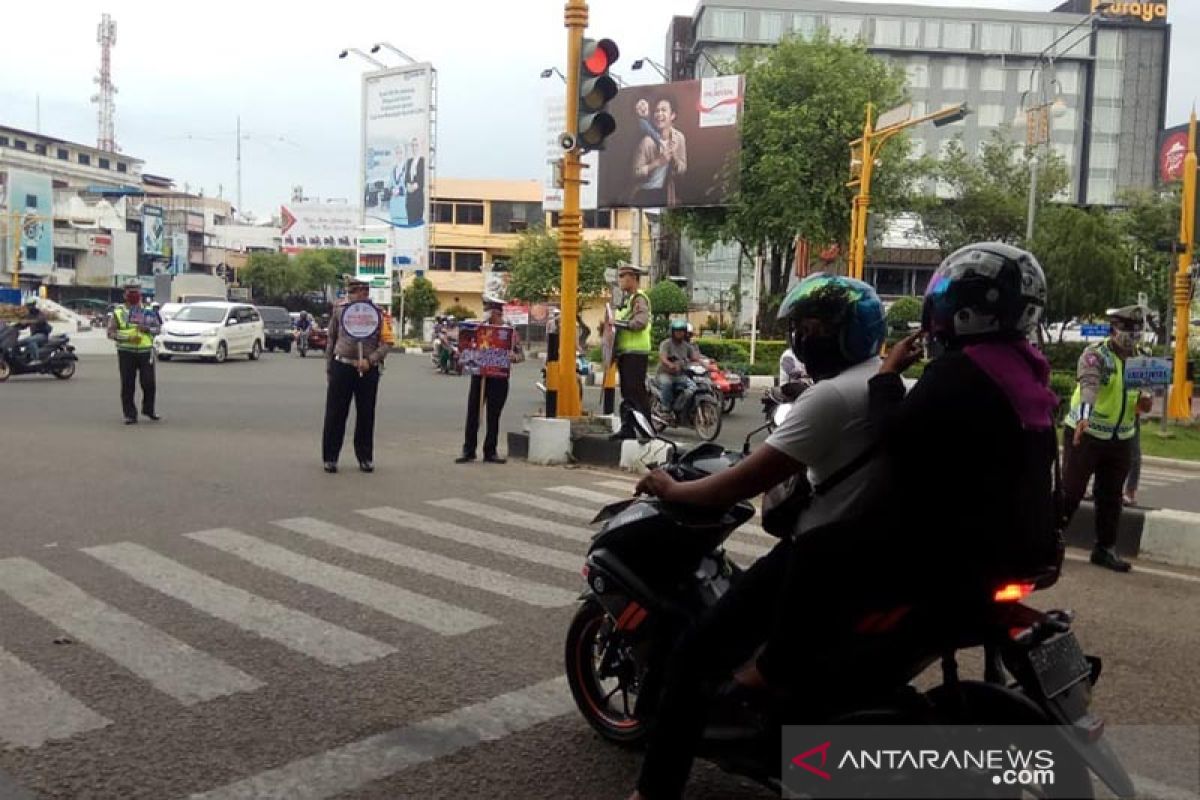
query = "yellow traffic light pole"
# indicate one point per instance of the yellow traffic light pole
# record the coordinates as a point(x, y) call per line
point(1181, 389)
point(570, 226)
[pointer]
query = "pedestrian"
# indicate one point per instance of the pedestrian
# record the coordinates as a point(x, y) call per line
point(632, 349)
point(494, 392)
point(359, 340)
point(1099, 430)
point(133, 327)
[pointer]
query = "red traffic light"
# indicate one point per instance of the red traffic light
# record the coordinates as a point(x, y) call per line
point(598, 56)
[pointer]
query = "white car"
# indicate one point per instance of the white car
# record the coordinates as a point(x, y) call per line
point(212, 331)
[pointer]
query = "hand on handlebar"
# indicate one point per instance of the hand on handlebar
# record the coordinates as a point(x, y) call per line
point(657, 484)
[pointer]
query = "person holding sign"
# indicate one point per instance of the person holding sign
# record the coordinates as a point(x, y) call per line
point(133, 327)
point(487, 352)
point(1099, 429)
point(359, 340)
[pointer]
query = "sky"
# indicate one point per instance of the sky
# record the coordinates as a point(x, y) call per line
point(185, 73)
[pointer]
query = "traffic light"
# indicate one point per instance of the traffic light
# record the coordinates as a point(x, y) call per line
point(596, 89)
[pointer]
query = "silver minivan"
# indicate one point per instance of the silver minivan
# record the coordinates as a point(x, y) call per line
point(212, 332)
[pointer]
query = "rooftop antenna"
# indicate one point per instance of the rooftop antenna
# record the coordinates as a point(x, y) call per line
point(106, 36)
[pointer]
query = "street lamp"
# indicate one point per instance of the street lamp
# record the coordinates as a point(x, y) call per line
point(407, 58)
point(661, 70)
point(376, 62)
point(548, 71)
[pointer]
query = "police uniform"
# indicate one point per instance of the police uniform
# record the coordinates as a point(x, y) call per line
point(1105, 448)
point(135, 353)
point(346, 382)
point(494, 393)
point(632, 350)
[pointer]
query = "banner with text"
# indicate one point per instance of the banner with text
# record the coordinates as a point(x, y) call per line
point(485, 350)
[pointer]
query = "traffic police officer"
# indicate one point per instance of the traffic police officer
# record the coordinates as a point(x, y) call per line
point(632, 347)
point(352, 367)
point(133, 327)
point(1099, 430)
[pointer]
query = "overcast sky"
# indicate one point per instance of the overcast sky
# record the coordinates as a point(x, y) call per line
point(185, 73)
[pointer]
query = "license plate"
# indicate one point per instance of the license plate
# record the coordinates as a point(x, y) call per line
point(1059, 664)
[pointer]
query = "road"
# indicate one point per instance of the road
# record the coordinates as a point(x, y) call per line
point(192, 607)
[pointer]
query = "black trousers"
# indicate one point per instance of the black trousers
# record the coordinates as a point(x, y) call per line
point(631, 370)
point(495, 396)
point(1109, 461)
point(136, 367)
point(345, 383)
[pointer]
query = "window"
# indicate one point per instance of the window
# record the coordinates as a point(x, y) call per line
point(954, 74)
point(805, 25)
point(601, 219)
point(918, 74)
point(995, 37)
point(85, 159)
point(956, 35)
point(993, 78)
point(63, 154)
point(514, 217)
point(991, 116)
point(917, 149)
point(889, 32)
point(103, 163)
point(1073, 42)
point(40, 149)
point(443, 213)
point(1110, 46)
point(1108, 83)
point(468, 261)
point(1036, 38)
point(1068, 79)
point(944, 148)
point(1064, 119)
point(933, 34)
point(726, 24)
point(20, 144)
point(1102, 186)
point(919, 108)
point(468, 213)
point(63, 259)
point(1104, 156)
point(770, 26)
point(847, 28)
point(3, 141)
point(122, 167)
point(441, 259)
point(31, 201)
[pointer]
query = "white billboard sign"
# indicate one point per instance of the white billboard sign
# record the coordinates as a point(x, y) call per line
point(395, 146)
point(555, 115)
point(309, 225)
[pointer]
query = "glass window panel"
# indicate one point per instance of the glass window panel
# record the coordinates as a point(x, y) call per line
point(995, 37)
point(1068, 79)
point(1066, 152)
point(954, 74)
point(912, 33)
point(1106, 120)
point(918, 74)
point(1104, 156)
point(1110, 46)
point(770, 26)
point(956, 35)
point(1073, 43)
point(933, 34)
point(889, 32)
point(919, 108)
point(468, 261)
point(1036, 38)
point(1108, 83)
point(917, 149)
point(847, 28)
point(805, 25)
point(991, 116)
point(726, 24)
point(468, 213)
point(993, 78)
point(1065, 119)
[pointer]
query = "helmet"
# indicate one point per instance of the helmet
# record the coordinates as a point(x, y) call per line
point(987, 289)
point(678, 325)
point(690, 329)
point(849, 307)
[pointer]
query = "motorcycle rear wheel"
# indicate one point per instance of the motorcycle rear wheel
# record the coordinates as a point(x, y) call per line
point(730, 402)
point(64, 371)
point(587, 640)
point(5, 370)
point(706, 419)
point(658, 413)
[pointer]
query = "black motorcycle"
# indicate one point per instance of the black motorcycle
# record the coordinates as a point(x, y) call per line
point(654, 567)
point(56, 356)
point(698, 405)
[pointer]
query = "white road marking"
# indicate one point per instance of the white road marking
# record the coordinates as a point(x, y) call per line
point(323, 641)
point(35, 710)
point(168, 664)
point(522, 521)
point(546, 504)
point(462, 572)
point(344, 769)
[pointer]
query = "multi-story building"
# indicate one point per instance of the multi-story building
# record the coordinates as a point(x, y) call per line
point(1107, 76)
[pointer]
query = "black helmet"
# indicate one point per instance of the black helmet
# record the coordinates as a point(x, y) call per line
point(985, 290)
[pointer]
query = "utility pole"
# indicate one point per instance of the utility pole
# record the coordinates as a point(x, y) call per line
point(1181, 389)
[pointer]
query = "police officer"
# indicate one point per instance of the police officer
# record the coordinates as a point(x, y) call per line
point(133, 327)
point(632, 321)
point(352, 367)
point(495, 394)
point(1099, 430)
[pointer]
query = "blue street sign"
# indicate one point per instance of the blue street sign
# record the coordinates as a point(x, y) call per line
point(1087, 331)
point(1143, 372)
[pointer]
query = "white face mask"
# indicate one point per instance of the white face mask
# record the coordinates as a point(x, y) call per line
point(1126, 340)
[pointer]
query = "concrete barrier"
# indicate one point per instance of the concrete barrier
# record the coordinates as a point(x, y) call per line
point(549, 441)
point(1172, 537)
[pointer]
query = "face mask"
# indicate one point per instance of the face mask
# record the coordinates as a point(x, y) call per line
point(822, 356)
point(1126, 340)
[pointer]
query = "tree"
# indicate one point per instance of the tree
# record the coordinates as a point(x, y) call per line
point(270, 275)
point(420, 301)
point(535, 270)
point(1149, 217)
point(321, 268)
point(989, 193)
point(666, 298)
point(1083, 254)
point(458, 312)
point(805, 102)
point(902, 312)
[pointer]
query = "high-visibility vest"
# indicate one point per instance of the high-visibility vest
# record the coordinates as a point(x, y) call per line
point(1115, 413)
point(632, 341)
point(128, 336)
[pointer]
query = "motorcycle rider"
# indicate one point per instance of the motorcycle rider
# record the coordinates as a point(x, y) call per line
point(39, 329)
point(303, 326)
point(675, 353)
point(987, 393)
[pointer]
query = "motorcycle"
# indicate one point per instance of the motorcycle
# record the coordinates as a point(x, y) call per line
point(655, 567)
point(57, 356)
point(301, 335)
point(731, 386)
point(582, 369)
point(781, 397)
point(318, 338)
point(698, 406)
point(441, 345)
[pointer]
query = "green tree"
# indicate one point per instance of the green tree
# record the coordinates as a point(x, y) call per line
point(1083, 253)
point(420, 301)
point(535, 270)
point(458, 312)
point(319, 269)
point(989, 193)
point(1149, 217)
point(666, 298)
point(270, 275)
point(805, 102)
point(902, 312)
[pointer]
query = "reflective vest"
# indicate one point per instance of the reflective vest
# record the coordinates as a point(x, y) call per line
point(128, 336)
point(1115, 413)
point(633, 341)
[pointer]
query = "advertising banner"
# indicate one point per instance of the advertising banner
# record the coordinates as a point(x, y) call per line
point(485, 350)
point(395, 145)
point(516, 314)
point(1172, 151)
point(153, 232)
point(179, 253)
point(676, 145)
point(28, 198)
point(311, 225)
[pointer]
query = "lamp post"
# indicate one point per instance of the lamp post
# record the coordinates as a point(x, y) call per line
point(373, 61)
point(407, 58)
point(548, 71)
point(659, 68)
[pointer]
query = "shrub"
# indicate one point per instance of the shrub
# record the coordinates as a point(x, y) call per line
point(458, 312)
point(1064, 355)
point(723, 350)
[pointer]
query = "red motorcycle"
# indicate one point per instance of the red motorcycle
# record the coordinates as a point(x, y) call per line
point(730, 386)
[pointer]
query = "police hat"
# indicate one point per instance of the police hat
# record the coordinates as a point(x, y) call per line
point(353, 282)
point(490, 302)
point(622, 268)
point(1135, 315)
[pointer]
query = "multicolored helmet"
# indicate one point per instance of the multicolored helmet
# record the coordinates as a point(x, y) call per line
point(679, 325)
point(985, 290)
point(848, 306)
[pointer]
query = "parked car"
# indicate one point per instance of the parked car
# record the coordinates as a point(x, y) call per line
point(277, 328)
point(212, 332)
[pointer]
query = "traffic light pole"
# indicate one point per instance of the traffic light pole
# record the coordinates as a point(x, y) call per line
point(570, 226)
point(1180, 406)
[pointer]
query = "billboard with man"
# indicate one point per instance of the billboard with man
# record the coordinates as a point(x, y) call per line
point(395, 146)
point(676, 145)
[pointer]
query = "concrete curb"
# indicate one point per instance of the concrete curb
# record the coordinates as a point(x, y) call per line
point(1171, 537)
point(1171, 463)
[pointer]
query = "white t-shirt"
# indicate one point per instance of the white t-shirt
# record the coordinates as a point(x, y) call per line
point(826, 430)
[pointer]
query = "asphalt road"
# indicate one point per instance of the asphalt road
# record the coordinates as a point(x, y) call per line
point(192, 607)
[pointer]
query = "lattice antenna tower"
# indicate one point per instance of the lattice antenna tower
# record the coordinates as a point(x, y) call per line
point(106, 36)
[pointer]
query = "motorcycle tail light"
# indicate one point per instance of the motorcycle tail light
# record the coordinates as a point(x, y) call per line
point(1013, 592)
point(585, 571)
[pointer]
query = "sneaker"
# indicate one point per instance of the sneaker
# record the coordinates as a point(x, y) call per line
point(1107, 558)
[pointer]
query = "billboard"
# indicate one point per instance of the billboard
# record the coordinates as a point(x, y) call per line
point(179, 253)
point(1172, 149)
point(152, 230)
point(28, 198)
point(676, 145)
point(395, 146)
point(308, 225)
point(555, 115)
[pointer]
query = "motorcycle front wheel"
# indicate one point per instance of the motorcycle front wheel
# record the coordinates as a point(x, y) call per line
point(64, 370)
point(5, 370)
point(706, 419)
point(658, 413)
point(602, 678)
point(727, 408)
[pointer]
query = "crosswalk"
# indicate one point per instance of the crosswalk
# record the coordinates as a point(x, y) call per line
point(1161, 478)
point(530, 540)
